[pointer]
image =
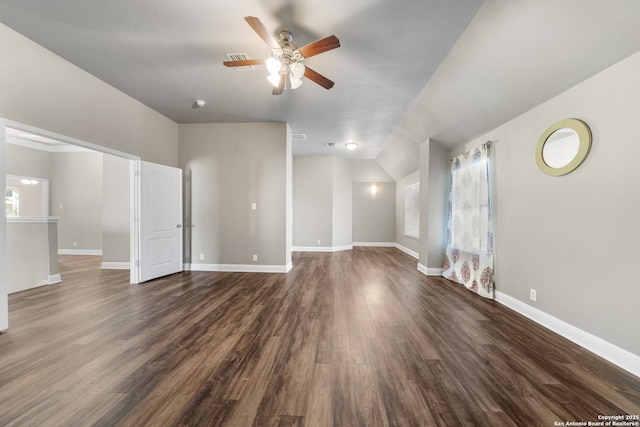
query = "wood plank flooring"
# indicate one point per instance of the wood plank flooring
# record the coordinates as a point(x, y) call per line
point(353, 338)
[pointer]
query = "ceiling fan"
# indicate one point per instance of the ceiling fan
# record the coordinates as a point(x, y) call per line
point(285, 64)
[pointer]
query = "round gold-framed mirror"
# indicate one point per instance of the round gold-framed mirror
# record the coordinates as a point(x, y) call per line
point(563, 147)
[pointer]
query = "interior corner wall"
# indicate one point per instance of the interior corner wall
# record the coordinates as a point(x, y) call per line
point(116, 214)
point(342, 230)
point(423, 241)
point(374, 213)
point(227, 168)
point(574, 238)
point(322, 203)
point(289, 197)
point(312, 201)
point(438, 202)
point(400, 238)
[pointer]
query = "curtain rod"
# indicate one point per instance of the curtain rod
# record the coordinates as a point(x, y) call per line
point(488, 144)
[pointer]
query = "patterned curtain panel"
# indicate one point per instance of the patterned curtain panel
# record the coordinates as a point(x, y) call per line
point(469, 256)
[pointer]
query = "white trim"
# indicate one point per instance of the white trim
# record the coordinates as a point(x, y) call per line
point(46, 147)
point(134, 223)
point(376, 244)
point(238, 268)
point(97, 252)
point(51, 280)
point(289, 267)
point(388, 245)
point(614, 354)
point(321, 248)
point(68, 139)
point(430, 271)
point(407, 250)
point(115, 265)
point(33, 219)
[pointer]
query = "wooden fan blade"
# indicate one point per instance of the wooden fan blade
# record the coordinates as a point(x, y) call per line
point(262, 31)
point(319, 46)
point(243, 63)
point(278, 90)
point(318, 78)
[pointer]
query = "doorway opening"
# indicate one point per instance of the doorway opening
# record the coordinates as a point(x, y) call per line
point(90, 203)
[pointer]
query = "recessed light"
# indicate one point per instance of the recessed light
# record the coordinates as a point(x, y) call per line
point(351, 145)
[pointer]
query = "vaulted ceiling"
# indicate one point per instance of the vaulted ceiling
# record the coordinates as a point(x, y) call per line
point(406, 70)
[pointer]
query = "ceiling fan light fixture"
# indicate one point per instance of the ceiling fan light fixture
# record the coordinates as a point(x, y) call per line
point(273, 66)
point(295, 82)
point(285, 61)
point(274, 79)
point(297, 70)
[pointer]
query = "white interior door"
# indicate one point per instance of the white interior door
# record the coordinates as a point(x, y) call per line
point(160, 220)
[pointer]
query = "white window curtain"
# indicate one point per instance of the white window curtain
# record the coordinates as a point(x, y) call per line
point(469, 255)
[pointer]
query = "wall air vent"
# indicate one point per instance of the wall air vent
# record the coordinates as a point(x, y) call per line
point(240, 57)
point(331, 144)
point(299, 136)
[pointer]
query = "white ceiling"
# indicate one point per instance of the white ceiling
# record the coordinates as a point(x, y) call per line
point(407, 70)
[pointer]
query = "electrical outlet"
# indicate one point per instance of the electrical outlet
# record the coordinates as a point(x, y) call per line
point(533, 295)
point(318, 241)
point(255, 257)
point(75, 244)
point(201, 257)
point(254, 206)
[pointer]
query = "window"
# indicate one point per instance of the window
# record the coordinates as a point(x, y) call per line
point(412, 210)
point(26, 196)
point(12, 201)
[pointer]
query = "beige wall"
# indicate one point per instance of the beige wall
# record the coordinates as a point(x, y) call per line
point(228, 167)
point(374, 214)
point(400, 238)
point(33, 258)
point(312, 201)
point(438, 204)
point(342, 234)
point(116, 214)
point(43, 90)
point(322, 202)
point(575, 238)
point(25, 161)
point(76, 185)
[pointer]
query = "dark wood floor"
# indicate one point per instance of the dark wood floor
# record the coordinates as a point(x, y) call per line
point(350, 338)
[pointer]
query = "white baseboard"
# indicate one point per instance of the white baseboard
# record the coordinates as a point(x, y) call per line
point(97, 252)
point(289, 267)
point(388, 245)
point(51, 280)
point(430, 271)
point(614, 354)
point(407, 250)
point(115, 265)
point(321, 248)
point(238, 268)
point(376, 244)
